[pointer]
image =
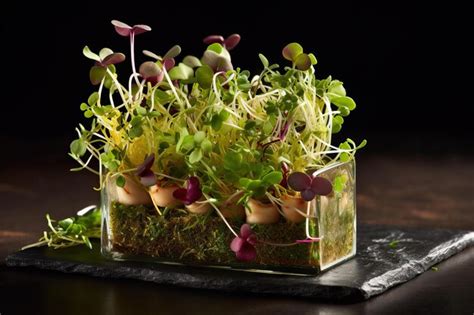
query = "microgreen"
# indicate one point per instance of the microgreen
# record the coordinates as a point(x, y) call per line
point(243, 245)
point(127, 30)
point(229, 43)
point(71, 231)
point(191, 193)
point(145, 173)
point(151, 72)
point(294, 53)
point(258, 187)
point(308, 186)
point(105, 60)
point(216, 127)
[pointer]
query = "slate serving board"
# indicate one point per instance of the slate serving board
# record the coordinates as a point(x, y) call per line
point(376, 268)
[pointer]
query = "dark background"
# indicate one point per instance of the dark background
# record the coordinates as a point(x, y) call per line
point(406, 65)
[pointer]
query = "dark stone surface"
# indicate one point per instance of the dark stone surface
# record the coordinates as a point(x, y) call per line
point(376, 268)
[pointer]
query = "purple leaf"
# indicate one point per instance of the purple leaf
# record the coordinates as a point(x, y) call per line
point(146, 165)
point(308, 194)
point(211, 39)
point(180, 194)
point(237, 244)
point(243, 244)
point(232, 41)
point(321, 186)
point(194, 191)
point(122, 28)
point(284, 131)
point(299, 181)
point(246, 253)
point(245, 231)
point(191, 193)
point(148, 178)
point(113, 59)
point(169, 63)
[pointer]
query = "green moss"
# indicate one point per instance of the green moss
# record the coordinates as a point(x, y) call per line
point(178, 236)
point(204, 239)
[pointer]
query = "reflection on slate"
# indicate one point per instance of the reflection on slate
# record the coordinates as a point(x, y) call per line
point(377, 266)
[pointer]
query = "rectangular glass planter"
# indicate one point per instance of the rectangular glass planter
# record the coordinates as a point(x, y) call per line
point(138, 232)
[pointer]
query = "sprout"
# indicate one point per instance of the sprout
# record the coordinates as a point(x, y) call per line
point(191, 193)
point(151, 72)
point(294, 53)
point(127, 30)
point(144, 172)
point(103, 60)
point(243, 245)
point(130, 31)
point(233, 131)
point(229, 43)
point(309, 186)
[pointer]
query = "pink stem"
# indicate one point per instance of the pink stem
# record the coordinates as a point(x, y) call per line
point(132, 53)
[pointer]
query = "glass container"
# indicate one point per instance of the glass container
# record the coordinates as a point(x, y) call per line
point(138, 232)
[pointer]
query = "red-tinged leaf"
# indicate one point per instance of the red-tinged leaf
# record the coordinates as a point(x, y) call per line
point(321, 186)
point(96, 74)
point(299, 181)
point(232, 41)
point(122, 28)
point(303, 62)
point(291, 51)
point(168, 64)
point(113, 59)
point(150, 70)
point(157, 79)
point(140, 28)
point(213, 39)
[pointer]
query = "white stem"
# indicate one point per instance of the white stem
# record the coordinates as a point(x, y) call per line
point(132, 54)
point(117, 84)
point(222, 216)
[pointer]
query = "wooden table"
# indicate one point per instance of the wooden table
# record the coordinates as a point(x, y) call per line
point(391, 190)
